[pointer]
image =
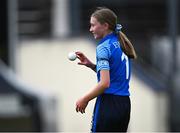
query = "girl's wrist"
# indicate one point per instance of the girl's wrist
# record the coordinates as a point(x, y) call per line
point(86, 99)
point(93, 66)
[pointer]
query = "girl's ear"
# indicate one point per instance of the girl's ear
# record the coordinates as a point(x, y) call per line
point(106, 25)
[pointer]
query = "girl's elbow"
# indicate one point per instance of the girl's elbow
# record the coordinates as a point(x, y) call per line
point(106, 85)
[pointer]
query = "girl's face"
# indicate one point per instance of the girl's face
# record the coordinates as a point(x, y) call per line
point(97, 29)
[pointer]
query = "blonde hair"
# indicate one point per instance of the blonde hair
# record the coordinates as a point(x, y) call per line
point(105, 15)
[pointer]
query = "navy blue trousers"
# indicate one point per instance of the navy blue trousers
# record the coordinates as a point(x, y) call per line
point(111, 113)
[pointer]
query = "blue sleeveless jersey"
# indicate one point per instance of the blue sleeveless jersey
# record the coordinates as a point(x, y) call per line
point(109, 56)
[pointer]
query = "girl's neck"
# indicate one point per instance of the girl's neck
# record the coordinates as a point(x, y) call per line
point(107, 33)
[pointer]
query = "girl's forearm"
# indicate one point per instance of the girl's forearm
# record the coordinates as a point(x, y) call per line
point(96, 91)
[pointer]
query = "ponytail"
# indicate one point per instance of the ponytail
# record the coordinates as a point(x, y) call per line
point(127, 46)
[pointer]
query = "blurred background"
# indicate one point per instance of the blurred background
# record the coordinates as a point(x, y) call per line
point(39, 86)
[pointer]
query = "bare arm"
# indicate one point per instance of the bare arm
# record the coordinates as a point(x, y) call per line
point(85, 61)
point(96, 91)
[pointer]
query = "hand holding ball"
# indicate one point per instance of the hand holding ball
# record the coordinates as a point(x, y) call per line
point(72, 56)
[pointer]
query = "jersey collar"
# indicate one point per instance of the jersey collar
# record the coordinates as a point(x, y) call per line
point(106, 37)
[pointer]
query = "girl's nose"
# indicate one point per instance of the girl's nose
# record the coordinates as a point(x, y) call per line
point(90, 29)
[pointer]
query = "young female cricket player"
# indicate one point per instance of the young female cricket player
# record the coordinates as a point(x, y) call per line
point(113, 54)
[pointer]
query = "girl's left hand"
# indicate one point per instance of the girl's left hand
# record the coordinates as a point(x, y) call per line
point(81, 105)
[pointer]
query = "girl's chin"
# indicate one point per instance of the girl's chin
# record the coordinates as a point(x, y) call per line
point(96, 37)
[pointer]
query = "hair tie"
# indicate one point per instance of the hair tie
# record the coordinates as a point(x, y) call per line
point(118, 28)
